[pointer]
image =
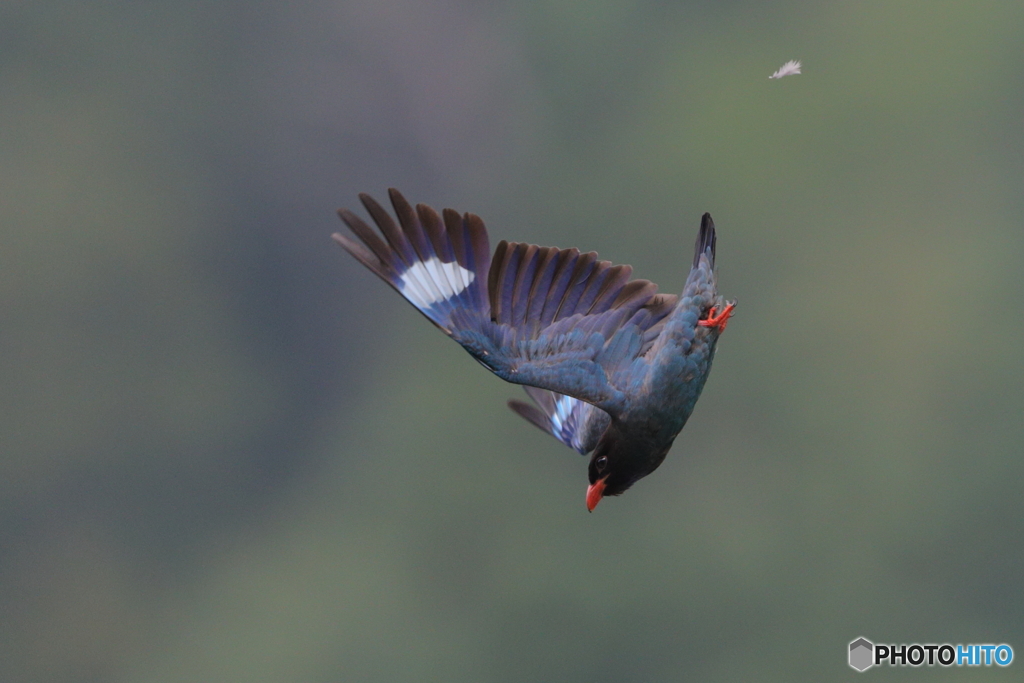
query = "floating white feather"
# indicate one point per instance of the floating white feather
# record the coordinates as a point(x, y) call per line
point(790, 68)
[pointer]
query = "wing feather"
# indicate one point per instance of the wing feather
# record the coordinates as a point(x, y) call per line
point(544, 317)
point(577, 424)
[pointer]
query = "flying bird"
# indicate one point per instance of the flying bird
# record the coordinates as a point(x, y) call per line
point(790, 68)
point(613, 368)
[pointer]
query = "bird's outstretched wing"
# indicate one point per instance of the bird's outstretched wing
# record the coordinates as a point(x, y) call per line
point(551, 318)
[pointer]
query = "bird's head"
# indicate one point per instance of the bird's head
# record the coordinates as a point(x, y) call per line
point(615, 465)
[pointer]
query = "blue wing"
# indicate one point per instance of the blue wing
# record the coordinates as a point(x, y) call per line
point(577, 424)
point(551, 318)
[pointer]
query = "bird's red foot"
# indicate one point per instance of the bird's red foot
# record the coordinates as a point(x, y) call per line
point(718, 321)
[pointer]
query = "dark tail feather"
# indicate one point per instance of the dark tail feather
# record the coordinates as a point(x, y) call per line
point(705, 240)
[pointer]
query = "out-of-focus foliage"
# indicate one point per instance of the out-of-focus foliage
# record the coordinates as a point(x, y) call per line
point(227, 453)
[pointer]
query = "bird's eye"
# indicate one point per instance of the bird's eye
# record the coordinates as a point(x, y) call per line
point(601, 463)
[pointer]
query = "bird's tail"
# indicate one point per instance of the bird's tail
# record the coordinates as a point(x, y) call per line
point(701, 280)
point(705, 241)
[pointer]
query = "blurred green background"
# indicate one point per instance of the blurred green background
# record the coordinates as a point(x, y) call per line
point(229, 453)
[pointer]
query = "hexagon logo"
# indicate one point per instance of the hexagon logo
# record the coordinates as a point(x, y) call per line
point(861, 654)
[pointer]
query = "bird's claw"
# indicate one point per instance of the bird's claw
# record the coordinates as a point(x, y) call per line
point(718, 321)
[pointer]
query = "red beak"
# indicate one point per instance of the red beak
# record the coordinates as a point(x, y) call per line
point(594, 493)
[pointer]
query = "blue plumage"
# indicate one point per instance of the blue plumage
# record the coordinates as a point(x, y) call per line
point(613, 368)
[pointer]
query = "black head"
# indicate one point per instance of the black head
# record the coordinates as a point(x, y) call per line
point(615, 465)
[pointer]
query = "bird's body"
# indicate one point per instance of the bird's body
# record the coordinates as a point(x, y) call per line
point(614, 368)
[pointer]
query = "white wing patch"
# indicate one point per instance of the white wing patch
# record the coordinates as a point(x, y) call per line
point(790, 68)
point(430, 282)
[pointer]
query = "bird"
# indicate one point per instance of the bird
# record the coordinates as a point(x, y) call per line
point(613, 368)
